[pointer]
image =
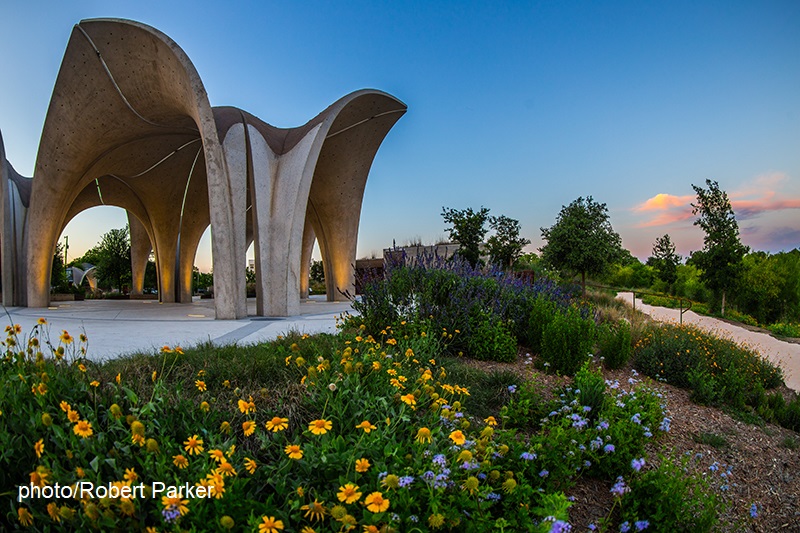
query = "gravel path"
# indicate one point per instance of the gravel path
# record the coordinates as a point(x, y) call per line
point(785, 354)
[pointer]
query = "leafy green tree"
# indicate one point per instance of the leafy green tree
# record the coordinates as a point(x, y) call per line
point(58, 273)
point(664, 260)
point(112, 257)
point(468, 228)
point(317, 272)
point(505, 246)
point(582, 240)
point(721, 257)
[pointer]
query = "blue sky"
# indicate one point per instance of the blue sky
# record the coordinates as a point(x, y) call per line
point(520, 106)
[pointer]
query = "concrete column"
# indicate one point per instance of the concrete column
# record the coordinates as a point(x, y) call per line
point(309, 238)
point(140, 253)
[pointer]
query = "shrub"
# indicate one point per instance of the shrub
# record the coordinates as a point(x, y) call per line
point(541, 313)
point(567, 340)
point(671, 499)
point(615, 344)
point(674, 353)
point(783, 329)
point(490, 340)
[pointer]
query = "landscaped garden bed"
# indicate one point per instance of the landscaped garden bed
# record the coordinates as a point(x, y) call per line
point(421, 414)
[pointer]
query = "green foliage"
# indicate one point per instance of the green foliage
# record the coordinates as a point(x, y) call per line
point(491, 340)
point(785, 330)
point(672, 499)
point(615, 344)
point(768, 287)
point(525, 409)
point(541, 312)
point(505, 246)
point(665, 260)
point(717, 371)
point(635, 275)
point(58, 273)
point(582, 239)
point(721, 257)
point(567, 340)
point(112, 257)
point(689, 285)
point(467, 227)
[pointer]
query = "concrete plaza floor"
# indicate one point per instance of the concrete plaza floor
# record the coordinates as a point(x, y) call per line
point(117, 327)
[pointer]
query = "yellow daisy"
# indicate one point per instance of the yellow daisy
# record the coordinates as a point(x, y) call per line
point(320, 427)
point(376, 503)
point(277, 424)
point(348, 493)
point(366, 425)
point(193, 445)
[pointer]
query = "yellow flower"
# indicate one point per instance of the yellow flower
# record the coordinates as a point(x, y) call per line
point(65, 406)
point(248, 427)
point(193, 445)
point(137, 439)
point(204, 407)
point(270, 525)
point(39, 448)
point(409, 399)
point(458, 437)
point(180, 461)
point(293, 451)
point(66, 338)
point(225, 427)
point(247, 407)
point(423, 435)
point(436, 521)
point(250, 465)
point(362, 465)
point(491, 421)
point(201, 385)
point(42, 321)
point(118, 378)
point(391, 481)
point(308, 529)
point(471, 484)
point(82, 367)
point(371, 529)
point(80, 472)
point(166, 349)
point(226, 384)
point(366, 426)
point(176, 502)
point(217, 455)
point(348, 493)
point(131, 475)
point(320, 427)
point(315, 510)
point(73, 416)
point(83, 429)
point(179, 350)
point(137, 428)
point(277, 424)
point(23, 515)
point(226, 469)
point(226, 522)
point(376, 503)
point(39, 477)
point(94, 383)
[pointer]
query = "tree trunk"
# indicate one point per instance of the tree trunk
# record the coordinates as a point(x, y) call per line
point(583, 283)
point(723, 302)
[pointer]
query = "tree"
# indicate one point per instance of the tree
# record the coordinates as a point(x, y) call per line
point(112, 257)
point(721, 257)
point(665, 260)
point(468, 229)
point(582, 240)
point(505, 246)
point(58, 274)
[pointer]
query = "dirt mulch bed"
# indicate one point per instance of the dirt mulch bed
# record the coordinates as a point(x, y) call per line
point(764, 460)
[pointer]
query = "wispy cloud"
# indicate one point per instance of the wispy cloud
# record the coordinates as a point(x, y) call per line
point(761, 196)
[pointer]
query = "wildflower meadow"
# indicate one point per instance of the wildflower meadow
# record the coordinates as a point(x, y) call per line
point(378, 428)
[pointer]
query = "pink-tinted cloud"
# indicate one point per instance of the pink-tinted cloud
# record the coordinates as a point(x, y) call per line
point(761, 196)
point(666, 209)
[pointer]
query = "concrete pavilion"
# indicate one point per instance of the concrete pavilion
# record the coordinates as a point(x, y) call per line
point(130, 125)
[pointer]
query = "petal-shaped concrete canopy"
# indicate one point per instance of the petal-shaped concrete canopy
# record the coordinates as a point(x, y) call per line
point(130, 125)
